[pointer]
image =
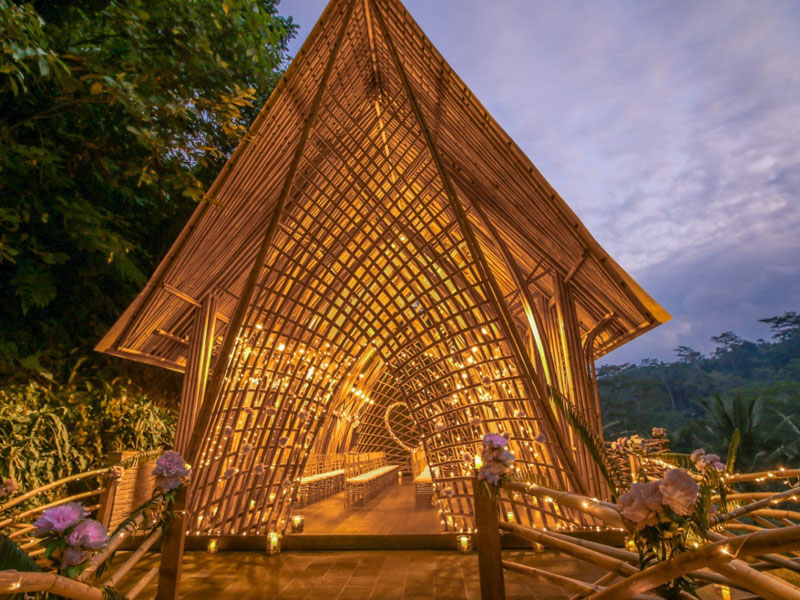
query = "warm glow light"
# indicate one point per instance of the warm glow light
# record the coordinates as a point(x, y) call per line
point(478, 461)
point(212, 546)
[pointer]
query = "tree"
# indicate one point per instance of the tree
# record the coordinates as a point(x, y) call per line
point(115, 116)
point(688, 355)
point(785, 327)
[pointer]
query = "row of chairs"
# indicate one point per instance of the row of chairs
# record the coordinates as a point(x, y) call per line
point(323, 477)
point(356, 464)
point(373, 476)
point(323, 463)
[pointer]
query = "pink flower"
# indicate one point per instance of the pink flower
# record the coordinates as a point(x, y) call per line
point(8, 487)
point(495, 440)
point(476, 421)
point(88, 534)
point(227, 431)
point(171, 464)
point(466, 457)
point(492, 472)
point(247, 448)
point(640, 505)
point(302, 415)
point(486, 381)
point(73, 556)
point(271, 411)
point(439, 426)
point(283, 441)
point(60, 518)
point(679, 491)
point(258, 469)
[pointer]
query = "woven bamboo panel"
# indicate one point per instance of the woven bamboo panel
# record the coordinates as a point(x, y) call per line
point(421, 285)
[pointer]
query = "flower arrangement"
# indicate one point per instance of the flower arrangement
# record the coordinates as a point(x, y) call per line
point(496, 458)
point(663, 517)
point(703, 461)
point(8, 487)
point(69, 536)
point(171, 471)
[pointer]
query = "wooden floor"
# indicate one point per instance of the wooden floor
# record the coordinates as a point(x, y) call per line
point(391, 513)
point(378, 575)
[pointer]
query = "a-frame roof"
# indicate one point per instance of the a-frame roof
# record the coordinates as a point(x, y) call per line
point(495, 181)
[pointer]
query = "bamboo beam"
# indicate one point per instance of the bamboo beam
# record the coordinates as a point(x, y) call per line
point(198, 364)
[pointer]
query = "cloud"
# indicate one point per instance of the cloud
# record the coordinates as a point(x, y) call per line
point(671, 128)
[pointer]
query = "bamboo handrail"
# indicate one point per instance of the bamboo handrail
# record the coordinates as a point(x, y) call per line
point(537, 535)
point(762, 476)
point(113, 544)
point(710, 555)
point(114, 578)
point(77, 477)
point(755, 506)
point(16, 582)
point(59, 502)
point(595, 508)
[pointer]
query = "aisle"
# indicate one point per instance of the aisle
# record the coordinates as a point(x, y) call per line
point(391, 513)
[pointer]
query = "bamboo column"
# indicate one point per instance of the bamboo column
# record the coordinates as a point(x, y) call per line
point(198, 364)
point(490, 565)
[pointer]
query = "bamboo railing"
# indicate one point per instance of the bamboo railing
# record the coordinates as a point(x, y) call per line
point(149, 522)
point(737, 561)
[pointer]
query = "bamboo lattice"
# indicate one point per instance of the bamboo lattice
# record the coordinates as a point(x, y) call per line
point(379, 268)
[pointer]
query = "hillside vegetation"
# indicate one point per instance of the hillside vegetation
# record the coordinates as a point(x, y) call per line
point(702, 399)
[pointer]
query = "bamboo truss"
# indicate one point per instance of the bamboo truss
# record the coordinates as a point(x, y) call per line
point(378, 268)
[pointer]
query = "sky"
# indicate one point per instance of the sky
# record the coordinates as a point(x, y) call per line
point(671, 127)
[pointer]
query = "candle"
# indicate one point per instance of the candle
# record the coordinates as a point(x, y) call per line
point(212, 546)
point(510, 516)
point(273, 543)
point(465, 544)
point(298, 524)
point(478, 461)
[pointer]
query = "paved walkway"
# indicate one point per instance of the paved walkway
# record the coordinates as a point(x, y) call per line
point(392, 513)
point(379, 575)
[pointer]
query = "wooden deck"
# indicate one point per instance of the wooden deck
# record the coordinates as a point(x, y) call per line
point(392, 513)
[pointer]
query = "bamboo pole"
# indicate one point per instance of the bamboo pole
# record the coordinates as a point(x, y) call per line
point(578, 551)
point(710, 555)
point(141, 584)
point(489, 551)
point(762, 584)
point(22, 497)
point(19, 582)
point(114, 578)
point(754, 506)
point(595, 508)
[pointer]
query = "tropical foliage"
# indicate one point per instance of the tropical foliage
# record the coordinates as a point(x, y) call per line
point(115, 116)
point(51, 430)
point(750, 386)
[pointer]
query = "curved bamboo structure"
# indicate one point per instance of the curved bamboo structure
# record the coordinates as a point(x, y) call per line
point(377, 268)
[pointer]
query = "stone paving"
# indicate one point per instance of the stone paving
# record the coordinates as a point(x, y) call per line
point(380, 575)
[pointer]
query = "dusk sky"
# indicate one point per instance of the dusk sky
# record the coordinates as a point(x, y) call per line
point(672, 128)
